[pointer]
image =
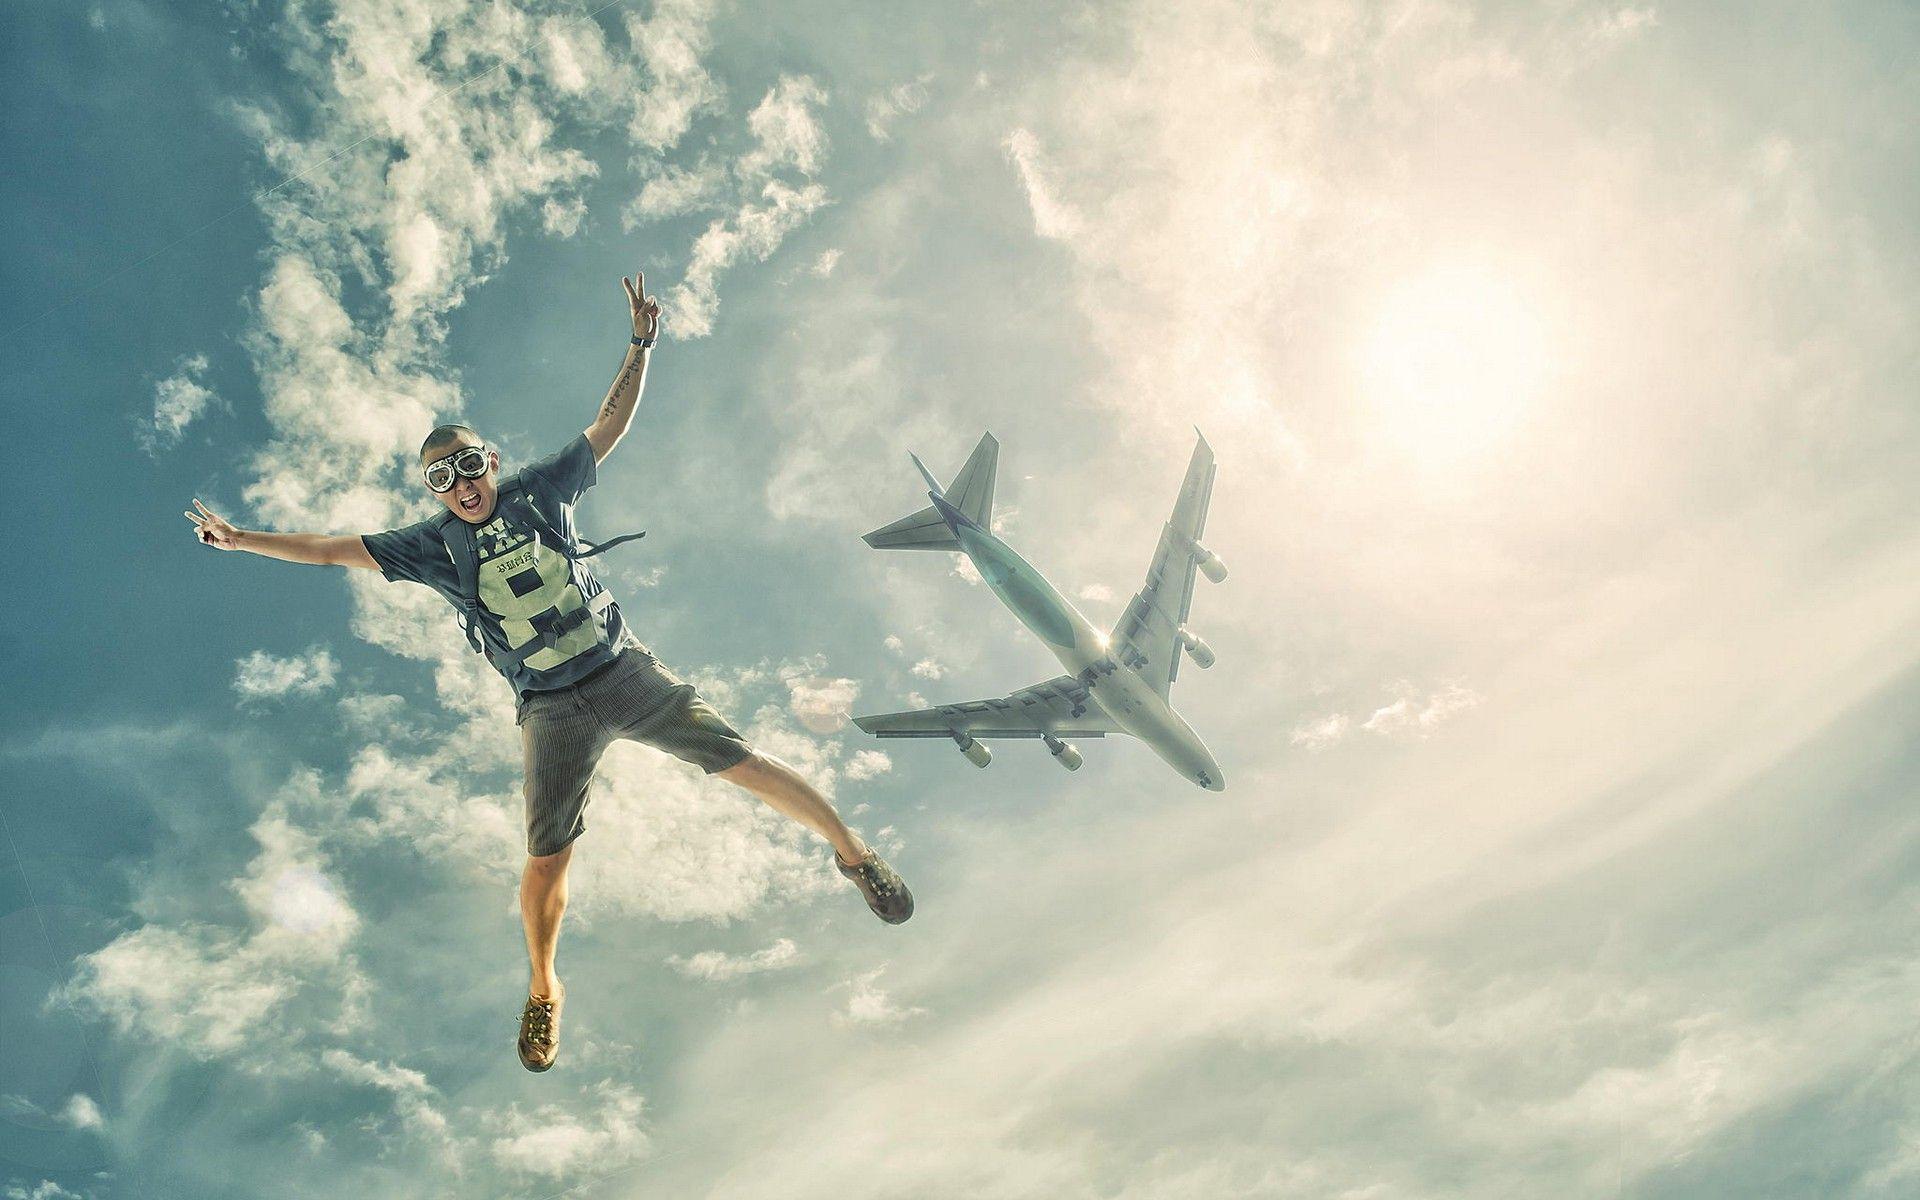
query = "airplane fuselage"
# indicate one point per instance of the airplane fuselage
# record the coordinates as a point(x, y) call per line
point(1133, 703)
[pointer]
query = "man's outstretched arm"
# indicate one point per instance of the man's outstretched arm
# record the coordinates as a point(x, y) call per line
point(321, 549)
point(616, 411)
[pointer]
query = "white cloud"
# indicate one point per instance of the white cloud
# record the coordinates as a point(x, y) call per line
point(1052, 217)
point(673, 190)
point(928, 668)
point(81, 1112)
point(551, 1142)
point(1321, 732)
point(870, 1004)
point(902, 99)
point(671, 43)
point(894, 643)
point(178, 401)
point(866, 764)
point(1096, 592)
point(1413, 715)
point(751, 234)
point(823, 705)
point(1625, 22)
point(787, 135)
point(46, 1189)
point(215, 991)
point(563, 218)
point(824, 264)
point(788, 141)
point(718, 966)
point(261, 676)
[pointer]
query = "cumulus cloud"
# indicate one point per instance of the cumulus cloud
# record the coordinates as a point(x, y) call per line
point(718, 966)
point(81, 1112)
point(1097, 592)
point(671, 43)
point(823, 705)
point(178, 401)
point(928, 668)
point(213, 990)
point(46, 1189)
point(894, 643)
point(866, 764)
point(262, 676)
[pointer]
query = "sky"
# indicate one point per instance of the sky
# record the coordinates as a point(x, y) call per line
point(1558, 362)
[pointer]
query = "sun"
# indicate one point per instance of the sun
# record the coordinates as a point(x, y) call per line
point(1453, 361)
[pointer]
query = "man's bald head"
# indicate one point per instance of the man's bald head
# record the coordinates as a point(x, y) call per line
point(445, 437)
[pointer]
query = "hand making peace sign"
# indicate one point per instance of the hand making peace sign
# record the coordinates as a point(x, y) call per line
point(212, 529)
point(646, 309)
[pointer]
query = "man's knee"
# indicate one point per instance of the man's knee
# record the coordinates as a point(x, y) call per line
point(549, 866)
point(755, 763)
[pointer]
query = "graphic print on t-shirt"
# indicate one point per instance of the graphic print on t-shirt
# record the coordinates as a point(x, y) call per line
point(529, 586)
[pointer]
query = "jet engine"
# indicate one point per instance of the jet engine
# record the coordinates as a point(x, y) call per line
point(1209, 563)
point(1064, 753)
point(976, 754)
point(1197, 650)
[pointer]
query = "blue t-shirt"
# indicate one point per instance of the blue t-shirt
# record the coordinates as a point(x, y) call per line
point(525, 584)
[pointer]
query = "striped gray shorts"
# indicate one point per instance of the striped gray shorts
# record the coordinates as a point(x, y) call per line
point(564, 732)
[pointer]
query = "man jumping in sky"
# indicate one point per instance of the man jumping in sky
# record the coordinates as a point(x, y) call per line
point(505, 554)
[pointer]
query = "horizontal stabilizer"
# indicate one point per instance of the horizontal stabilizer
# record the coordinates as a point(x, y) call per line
point(924, 530)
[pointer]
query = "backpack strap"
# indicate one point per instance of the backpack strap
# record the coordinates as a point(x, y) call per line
point(522, 502)
point(466, 569)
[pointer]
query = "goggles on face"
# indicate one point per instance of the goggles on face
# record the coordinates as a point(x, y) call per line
point(468, 462)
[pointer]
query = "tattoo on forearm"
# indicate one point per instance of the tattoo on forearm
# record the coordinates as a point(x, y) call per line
point(619, 386)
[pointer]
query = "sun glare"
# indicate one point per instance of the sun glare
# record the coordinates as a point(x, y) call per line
point(1455, 358)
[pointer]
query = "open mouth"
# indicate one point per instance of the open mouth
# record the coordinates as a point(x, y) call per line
point(470, 503)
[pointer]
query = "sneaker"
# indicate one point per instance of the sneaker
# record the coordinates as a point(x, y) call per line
point(886, 894)
point(539, 1034)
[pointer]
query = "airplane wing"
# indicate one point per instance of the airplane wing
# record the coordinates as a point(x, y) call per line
point(1146, 636)
point(1062, 707)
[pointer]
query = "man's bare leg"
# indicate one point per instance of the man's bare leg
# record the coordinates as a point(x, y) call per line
point(543, 899)
point(787, 792)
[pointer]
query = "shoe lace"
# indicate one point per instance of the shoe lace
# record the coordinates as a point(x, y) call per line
point(537, 1022)
point(878, 878)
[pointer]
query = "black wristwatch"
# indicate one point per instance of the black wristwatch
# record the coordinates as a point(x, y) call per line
point(645, 343)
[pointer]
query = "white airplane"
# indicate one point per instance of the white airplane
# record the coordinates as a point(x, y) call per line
point(1116, 684)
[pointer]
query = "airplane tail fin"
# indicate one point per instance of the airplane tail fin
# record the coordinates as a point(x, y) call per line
point(972, 489)
point(971, 492)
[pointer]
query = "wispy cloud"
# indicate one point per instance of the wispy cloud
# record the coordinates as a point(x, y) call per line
point(1052, 217)
point(884, 108)
point(718, 966)
point(870, 1004)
